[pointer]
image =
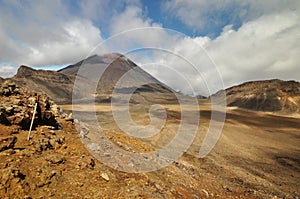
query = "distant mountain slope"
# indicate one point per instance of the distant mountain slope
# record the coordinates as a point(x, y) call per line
point(57, 85)
point(113, 66)
point(270, 95)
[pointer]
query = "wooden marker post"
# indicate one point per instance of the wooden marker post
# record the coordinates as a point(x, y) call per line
point(33, 116)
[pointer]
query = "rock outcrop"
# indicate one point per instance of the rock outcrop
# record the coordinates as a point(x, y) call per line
point(17, 104)
point(7, 143)
point(25, 72)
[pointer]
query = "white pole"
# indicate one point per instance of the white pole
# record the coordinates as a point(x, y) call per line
point(32, 121)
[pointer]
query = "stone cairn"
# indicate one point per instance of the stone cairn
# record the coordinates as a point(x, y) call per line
point(17, 104)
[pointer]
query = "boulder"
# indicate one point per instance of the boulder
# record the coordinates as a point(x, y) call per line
point(55, 158)
point(49, 119)
point(4, 120)
point(7, 143)
point(9, 111)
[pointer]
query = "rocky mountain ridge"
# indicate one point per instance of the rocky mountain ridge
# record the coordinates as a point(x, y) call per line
point(56, 85)
point(60, 85)
point(268, 95)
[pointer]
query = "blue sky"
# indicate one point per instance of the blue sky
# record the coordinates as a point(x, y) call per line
point(158, 13)
point(246, 40)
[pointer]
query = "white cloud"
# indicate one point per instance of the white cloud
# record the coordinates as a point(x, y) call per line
point(129, 19)
point(7, 70)
point(132, 18)
point(44, 33)
point(95, 10)
point(267, 47)
point(264, 48)
point(207, 15)
point(132, 30)
point(76, 40)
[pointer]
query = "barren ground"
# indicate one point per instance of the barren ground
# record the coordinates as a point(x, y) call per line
point(257, 156)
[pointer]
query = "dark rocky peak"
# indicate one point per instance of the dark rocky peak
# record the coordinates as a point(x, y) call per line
point(25, 71)
point(116, 59)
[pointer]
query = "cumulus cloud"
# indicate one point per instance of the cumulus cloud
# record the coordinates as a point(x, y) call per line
point(34, 34)
point(132, 18)
point(264, 48)
point(210, 16)
point(267, 47)
point(7, 70)
point(129, 19)
point(96, 10)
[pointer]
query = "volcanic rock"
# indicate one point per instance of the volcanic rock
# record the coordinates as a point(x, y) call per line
point(7, 143)
point(105, 176)
point(55, 158)
point(17, 104)
point(4, 120)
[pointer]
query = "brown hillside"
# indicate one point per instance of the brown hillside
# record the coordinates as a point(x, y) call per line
point(57, 85)
point(271, 95)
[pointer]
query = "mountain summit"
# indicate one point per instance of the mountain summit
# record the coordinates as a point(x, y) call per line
point(99, 59)
point(108, 69)
point(25, 71)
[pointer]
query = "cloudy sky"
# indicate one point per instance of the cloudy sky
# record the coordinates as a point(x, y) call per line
point(244, 40)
